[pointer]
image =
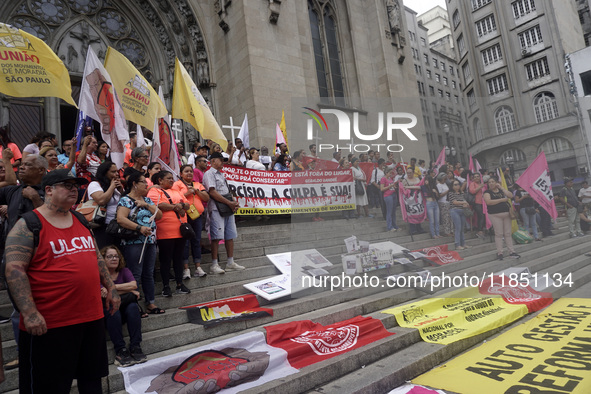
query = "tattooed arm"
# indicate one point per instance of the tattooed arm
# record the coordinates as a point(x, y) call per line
point(113, 300)
point(19, 251)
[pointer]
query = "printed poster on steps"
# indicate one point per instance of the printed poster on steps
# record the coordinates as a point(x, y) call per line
point(231, 365)
point(550, 353)
point(470, 311)
point(307, 342)
point(285, 192)
point(212, 313)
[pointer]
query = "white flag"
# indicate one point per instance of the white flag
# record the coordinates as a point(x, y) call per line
point(243, 135)
point(140, 136)
point(99, 101)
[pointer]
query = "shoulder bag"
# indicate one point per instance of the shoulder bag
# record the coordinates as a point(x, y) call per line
point(223, 209)
point(95, 214)
point(117, 231)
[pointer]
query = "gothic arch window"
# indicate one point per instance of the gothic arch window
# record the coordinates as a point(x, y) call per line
point(477, 130)
point(512, 156)
point(545, 107)
point(504, 120)
point(555, 145)
point(325, 42)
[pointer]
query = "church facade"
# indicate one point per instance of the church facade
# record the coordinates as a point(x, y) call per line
point(257, 58)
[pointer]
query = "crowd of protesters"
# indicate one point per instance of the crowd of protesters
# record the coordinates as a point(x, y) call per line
point(159, 214)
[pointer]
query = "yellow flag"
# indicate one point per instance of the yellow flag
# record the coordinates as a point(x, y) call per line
point(139, 100)
point(188, 104)
point(29, 68)
point(514, 225)
point(283, 129)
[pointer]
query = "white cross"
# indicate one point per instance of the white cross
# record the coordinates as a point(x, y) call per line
point(177, 129)
point(232, 128)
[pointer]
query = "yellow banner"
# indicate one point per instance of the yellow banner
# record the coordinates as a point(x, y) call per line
point(283, 128)
point(549, 354)
point(139, 100)
point(189, 105)
point(460, 314)
point(29, 68)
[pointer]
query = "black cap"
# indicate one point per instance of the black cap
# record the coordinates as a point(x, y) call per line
point(203, 147)
point(57, 176)
point(218, 155)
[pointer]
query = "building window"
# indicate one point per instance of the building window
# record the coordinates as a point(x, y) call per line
point(447, 96)
point(586, 82)
point(512, 156)
point(531, 37)
point(445, 81)
point(555, 145)
point(467, 73)
point(426, 58)
point(428, 74)
point(437, 77)
point(522, 8)
point(504, 120)
point(453, 84)
point(435, 62)
point(456, 18)
point(456, 99)
point(492, 55)
point(478, 130)
point(434, 108)
point(326, 53)
point(497, 84)
point(476, 4)
point(471, 98)
point(545, 107)
point(537, 69)
point(451, 70)
point(423, 41)
point(461, 44)
point(486, 26)
point(410, 35)
point(440, 93)
point(431, 90)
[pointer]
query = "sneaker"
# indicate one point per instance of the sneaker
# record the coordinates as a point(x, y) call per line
point(11, 365)
point(500, 256)
point(460, 248)
point(166, 292)
point(573, 235)
point(186, 273)
point(580, 234)
point(138, 355)
point(123, 358)
point(467, 247)
point(234, 267)
point(514, 255)
point(215, 269)
point(199, 273)
point(182, 289)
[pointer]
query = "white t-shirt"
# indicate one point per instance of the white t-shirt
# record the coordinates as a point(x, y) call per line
point(94, 187)
point(442, 188)
point(380, 175)
point(255, 165)
point(238, 158)
point(585, 194)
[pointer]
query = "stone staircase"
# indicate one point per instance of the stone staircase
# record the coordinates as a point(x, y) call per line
point(375, 368)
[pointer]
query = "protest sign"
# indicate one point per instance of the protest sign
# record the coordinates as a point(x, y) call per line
point(30, 68)
point(470, 311)
point(536, 181)
point(550, 353)
point(233, 365)
point(271, 288)
point(307, 342)
point(231, 309)
point(277, 192)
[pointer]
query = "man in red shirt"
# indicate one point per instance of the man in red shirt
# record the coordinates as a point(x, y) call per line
point(55, 285)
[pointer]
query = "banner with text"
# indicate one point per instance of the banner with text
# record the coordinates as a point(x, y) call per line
point(470, 311)
point(276, 193)
point(550, 353)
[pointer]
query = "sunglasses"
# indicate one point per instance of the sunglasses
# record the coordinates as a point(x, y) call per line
point(67, 185)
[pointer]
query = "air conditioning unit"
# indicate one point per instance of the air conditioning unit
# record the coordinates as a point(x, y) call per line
point(526, 52)
point(583, 170)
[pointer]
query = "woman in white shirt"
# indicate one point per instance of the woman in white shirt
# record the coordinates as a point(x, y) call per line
point(359, 177)
point(106, 191)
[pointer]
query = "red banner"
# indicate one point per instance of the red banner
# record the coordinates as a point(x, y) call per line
point(514, 292)
point(307, 342)
point(231, 309)
point(440, 255)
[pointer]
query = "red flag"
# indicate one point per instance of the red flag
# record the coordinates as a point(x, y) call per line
point(413, 209)
point(536, 181)
point(367, 169)
point(440, 255)
point(322, 164)
point(307, 342)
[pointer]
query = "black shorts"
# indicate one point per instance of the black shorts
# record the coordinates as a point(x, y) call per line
point(53, 360)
